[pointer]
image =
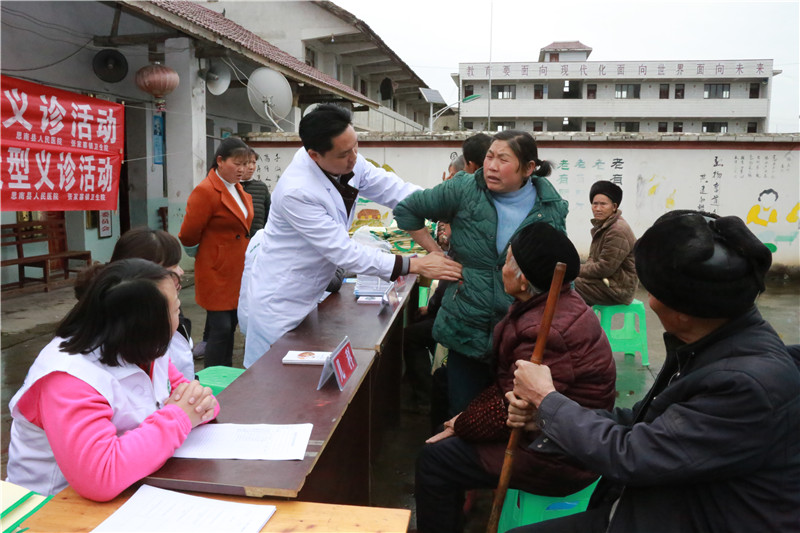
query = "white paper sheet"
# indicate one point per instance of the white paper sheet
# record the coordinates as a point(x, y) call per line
point(277, 442)
point(154, 509)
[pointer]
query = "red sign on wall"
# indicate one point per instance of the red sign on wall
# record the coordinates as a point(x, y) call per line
point(61, 151)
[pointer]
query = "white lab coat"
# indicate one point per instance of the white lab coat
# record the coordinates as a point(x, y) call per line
point(255, 243)
point(305, 240)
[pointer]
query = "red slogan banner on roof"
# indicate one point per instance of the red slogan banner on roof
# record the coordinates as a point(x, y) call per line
point(61, 151)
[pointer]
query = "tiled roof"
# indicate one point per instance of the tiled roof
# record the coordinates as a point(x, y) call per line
point(566, 45)
point(216, 23)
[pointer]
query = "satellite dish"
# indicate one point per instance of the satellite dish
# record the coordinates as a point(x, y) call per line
point(310, 108)
point(218, 78)
point(110, 65)
point(270, 94)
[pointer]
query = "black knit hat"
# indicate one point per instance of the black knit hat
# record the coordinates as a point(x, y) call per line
point(702, 264)
point(537, 248)
point(610, 189)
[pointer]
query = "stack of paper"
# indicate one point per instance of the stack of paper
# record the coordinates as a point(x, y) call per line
point(152, 509)
point(371, 286)
point(18, 504)
point(272, 442)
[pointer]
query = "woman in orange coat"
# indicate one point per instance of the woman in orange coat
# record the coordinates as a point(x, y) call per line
point(215, 231)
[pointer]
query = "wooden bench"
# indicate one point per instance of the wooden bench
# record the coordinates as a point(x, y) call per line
point(25, 233)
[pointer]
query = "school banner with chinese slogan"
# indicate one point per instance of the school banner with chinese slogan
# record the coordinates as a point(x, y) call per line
point(61, 151)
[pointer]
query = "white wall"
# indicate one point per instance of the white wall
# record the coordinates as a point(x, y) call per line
point(656, 177)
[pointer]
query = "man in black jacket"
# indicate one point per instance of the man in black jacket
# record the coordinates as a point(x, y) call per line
point(715, 444)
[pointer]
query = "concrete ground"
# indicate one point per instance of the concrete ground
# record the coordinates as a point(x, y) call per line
point(28, 323)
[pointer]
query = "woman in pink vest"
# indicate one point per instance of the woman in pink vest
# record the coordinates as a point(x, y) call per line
point(102, 406)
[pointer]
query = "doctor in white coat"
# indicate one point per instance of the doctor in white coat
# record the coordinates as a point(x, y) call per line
point(306, 238)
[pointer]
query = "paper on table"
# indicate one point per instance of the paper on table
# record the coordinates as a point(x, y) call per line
point(153, 509)
point(277, 442)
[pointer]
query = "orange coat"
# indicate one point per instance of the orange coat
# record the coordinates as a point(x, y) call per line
point(214, 221)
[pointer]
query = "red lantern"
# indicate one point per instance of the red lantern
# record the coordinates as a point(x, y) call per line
point(158, 80)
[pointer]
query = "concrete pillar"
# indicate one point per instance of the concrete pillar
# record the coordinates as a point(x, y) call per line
point(185, 125)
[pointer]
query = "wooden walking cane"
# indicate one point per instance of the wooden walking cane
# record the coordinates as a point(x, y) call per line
point(538, 353)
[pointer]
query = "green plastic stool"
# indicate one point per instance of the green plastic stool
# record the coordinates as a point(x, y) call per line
point(628, 339)
point(218, 377)
point(522, 508)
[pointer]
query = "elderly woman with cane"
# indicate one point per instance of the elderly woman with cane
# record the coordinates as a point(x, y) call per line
point(469, 452)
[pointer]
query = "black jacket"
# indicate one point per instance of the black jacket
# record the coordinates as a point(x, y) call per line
point(261, 202)
point(713, 447)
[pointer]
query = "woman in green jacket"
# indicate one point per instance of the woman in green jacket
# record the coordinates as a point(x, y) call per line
point(484, 210)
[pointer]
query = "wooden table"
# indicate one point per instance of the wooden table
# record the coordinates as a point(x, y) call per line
point(68, 512)
point(347, 424)
point(270, 392)
point(369, 326)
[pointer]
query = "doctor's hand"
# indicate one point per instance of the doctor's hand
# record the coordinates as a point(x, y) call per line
point(532, 382)
point(436, 266)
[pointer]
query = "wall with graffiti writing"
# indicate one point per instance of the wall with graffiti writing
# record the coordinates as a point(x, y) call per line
point(756, 181)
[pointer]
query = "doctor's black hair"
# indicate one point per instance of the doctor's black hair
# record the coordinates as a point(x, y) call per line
point(123, 313)
point(320, 126)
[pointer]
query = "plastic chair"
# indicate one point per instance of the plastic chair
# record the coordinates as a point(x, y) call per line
point(627, 339)
point(522, 508)
point(218, 377)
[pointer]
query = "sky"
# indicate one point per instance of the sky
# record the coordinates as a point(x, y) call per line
point(434, 36)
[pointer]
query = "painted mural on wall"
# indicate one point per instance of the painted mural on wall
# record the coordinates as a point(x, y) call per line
point(759, 186)
point(727, 181)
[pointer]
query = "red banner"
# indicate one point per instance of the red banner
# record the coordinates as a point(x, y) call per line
point(61, 151)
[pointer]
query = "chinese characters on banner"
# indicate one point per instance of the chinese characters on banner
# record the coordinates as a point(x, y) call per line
point(61, 151)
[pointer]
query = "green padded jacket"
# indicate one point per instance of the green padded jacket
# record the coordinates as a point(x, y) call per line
point(471, 308)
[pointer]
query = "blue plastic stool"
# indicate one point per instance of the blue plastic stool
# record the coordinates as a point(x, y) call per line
point(627, 339)
point(521, 508)
point(218, 377)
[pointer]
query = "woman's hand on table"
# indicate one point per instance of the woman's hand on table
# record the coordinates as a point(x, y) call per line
point(196, 401)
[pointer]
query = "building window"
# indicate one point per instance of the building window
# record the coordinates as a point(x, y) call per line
point(717, 90)
point(311, 58)
point(755, 90)
point(468, 125)
point(469, 90)
point(363, 85)
point(554, 57)
point(663, 91)
point(662, 127)
point(503, 125)
point(631, 127)
point(538, 125)
point(538, 91)
point(504, 92)
point(677, 127)
point(628, 90)
point(715, 127)
point(679, 91)
point(752, 127)
point(590, 126)
point(591, 91)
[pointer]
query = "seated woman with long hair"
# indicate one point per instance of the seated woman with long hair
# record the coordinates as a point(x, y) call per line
point(102, 406)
